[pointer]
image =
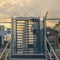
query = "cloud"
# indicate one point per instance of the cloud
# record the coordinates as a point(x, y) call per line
point(13, 6)
point(29, 7)
point(10, 8)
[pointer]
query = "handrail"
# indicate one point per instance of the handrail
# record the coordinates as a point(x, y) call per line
point(5, 51)
point(51, 50)
point(7, 55)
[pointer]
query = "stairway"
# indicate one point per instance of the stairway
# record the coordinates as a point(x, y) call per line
point(27, 37)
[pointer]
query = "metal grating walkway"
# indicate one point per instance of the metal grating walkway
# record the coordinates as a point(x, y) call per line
point(26, 59)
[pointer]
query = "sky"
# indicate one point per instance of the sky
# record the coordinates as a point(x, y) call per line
point(9, 8)
point(28, 7)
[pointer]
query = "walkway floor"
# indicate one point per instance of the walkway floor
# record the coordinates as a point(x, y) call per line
point(26, 59)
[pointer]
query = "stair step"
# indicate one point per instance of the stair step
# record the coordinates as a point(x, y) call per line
point(28, 56)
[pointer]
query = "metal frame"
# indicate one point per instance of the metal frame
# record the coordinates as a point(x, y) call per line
point(44, 20)
point(16, 28)
point(38, 36)
point(44, 25)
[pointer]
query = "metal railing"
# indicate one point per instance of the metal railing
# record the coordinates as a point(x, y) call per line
point(50, 52)
point(5, 55)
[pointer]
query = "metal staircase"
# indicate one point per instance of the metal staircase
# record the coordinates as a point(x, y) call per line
point(6, 52)
point(27, 42)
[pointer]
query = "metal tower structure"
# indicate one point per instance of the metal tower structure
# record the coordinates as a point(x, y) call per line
point(26, 37)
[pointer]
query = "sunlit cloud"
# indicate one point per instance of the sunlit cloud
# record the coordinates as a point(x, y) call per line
point(9, 8)
point(2, 4)
point(28, 7)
